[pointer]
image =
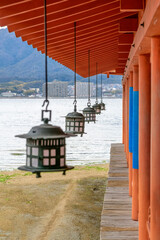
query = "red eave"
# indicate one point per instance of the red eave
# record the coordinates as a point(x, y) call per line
point(101, 27)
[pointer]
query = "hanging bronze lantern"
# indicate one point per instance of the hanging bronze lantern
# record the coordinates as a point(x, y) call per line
point(45, 144)
point(102, 104)
point(103, 107)
point(75, 121)
point(89, 112)
point(97, 106)
point(45, 149)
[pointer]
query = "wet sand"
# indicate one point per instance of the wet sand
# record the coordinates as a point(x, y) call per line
point(54, 207)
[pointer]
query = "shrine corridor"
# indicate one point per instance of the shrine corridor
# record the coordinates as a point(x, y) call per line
point(116, 222)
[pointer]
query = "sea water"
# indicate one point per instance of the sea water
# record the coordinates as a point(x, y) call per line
point(19, 115)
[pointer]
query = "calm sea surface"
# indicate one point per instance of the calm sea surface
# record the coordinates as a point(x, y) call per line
point(19, 115)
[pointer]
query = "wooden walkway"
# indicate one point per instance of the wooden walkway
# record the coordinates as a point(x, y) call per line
point(116, 223)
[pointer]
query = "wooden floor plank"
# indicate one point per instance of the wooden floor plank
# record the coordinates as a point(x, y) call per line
point(116, 222)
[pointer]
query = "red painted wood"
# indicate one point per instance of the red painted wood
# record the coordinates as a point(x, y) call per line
point(144, 142)
point(155, 138)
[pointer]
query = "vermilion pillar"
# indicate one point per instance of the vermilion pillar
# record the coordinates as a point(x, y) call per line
point(128, 121)
point(123, 138)
point(155, 139)
point(144, 142)
point(127, 118)
point(130, 130)
point(135, 144)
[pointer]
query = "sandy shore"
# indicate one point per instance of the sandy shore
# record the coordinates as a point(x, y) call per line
point(54, 207)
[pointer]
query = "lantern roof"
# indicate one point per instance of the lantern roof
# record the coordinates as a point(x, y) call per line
point(89, 109)
point(45, 131)
point(102, 103)
point(97, 105)
point(75, 115)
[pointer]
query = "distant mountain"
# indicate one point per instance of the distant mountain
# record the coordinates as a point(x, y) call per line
point(19, 61)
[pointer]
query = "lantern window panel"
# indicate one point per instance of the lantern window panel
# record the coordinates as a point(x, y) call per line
point(76, 124)
point(68, 129)
point(28, 162)
point(34, 162)
point(45, 161)
point(28, 150)
point(46, 152)
point(62, 162)
point(62, 151)
point(52, 161)
point(35, 151)
point(72, 123)
point(81, 123)
point(76, 129)
point(53, 152)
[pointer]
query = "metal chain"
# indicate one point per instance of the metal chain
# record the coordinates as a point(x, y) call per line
point(101, 86)
point(89, 101)
point(96, 83)
point(75, 99)
point(46, 101)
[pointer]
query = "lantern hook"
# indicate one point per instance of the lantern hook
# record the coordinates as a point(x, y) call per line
point(75, 105)
point(46, 101)
point(43, 118)
point(89, 103)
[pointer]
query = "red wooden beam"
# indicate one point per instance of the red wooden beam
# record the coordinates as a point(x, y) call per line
point(60, 30)
point(128, 25)
point(120, 71)
point(57, 19)
point(4, 3)
point(93, 51)
point(81, 45)
point(131, 5)
point(55, 37)
point(122, 55)
point(85, 38)
point(126, 39)
point(124, 48)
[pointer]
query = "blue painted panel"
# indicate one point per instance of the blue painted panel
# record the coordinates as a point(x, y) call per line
point(130, 117)
point(135, 129)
